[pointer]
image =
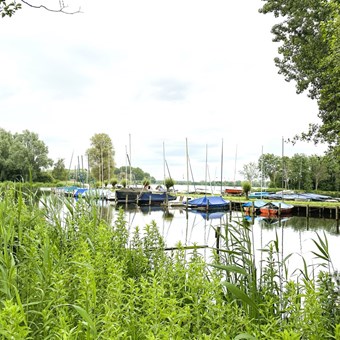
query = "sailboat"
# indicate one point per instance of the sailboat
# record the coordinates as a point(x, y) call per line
point(208, 203)
point(158, 196)
point(130, 194)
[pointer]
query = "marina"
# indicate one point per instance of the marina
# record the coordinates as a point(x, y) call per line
point(204, 229)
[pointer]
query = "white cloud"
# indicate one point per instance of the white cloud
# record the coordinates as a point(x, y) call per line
point(159, 71)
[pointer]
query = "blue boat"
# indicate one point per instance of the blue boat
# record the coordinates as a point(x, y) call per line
point(253, 206)
point(154, 198)
point(209, 203)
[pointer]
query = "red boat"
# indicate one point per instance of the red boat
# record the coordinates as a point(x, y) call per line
point(235, 191)
point(276, 208)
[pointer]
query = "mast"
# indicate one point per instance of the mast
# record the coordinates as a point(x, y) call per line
point(222, 166)
point(261, 171)
point(164, 164)
point(235, 167)
point(282, 182)
point(187, 162)
point(130, 158)
point(206, 167)
point(126, 160)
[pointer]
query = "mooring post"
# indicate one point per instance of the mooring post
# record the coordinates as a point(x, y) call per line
point(218, 232)
point(279, 209)
point(337, 219)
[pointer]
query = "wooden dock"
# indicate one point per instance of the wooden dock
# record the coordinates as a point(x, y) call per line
point(303, 209)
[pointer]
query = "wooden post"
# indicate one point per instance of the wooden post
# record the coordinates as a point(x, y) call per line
point(218, 232)
point(279, 209)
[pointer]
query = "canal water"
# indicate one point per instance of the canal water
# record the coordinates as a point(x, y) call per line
point(295, 234)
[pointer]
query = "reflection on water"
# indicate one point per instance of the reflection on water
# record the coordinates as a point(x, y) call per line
point(295, 234)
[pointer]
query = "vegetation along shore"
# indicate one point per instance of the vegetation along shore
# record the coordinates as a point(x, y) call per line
point(75, 276)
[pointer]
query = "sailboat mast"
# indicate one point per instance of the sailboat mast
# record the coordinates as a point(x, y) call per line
point(126, 164)
point(130, 158)
point(206, 166)
point(235, 167)
point(187, 161)
point(163, 164)
point(261, 170)
point(282, 182)
point(222, 166)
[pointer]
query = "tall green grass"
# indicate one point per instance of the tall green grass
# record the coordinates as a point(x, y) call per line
point(68, 273)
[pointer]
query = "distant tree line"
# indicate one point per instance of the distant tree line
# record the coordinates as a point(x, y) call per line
point(299, 172)
point(23, 157)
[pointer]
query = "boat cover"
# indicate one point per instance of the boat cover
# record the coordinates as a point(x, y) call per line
point(210, 201)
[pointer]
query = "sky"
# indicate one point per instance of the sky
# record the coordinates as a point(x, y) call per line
point(164, 79)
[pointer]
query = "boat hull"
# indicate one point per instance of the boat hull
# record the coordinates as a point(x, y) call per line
point(128, 195)
point(154, 198)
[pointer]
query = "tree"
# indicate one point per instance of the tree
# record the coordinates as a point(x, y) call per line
point(309, 38)
point(28, 156)
point(169, 182)
point(101, 157)
point(8, 8)
point(318, 170)
point(59, 171)
point(246, 187)
point(250, 171)
point(271, 166)
point(6, 140)
point(299, 172)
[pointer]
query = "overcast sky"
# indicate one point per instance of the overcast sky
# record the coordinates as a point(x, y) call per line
point(156, 73)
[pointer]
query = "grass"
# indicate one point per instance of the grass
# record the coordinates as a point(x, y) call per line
point(67, 273)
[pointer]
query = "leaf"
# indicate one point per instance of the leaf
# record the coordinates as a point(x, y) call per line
point(87, 318)
point(244, 336)
point(230, 268)
point(239, 294)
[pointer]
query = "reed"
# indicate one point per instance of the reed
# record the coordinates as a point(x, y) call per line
point(68, 273)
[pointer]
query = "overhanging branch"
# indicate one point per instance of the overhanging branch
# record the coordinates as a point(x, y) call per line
point(60, 10)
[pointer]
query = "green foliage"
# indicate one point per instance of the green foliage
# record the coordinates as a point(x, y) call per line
point(123, 182)
point(246, 187)
point(59, 171)
point(22, 156)
point(76, 276)
point(146, 182)
point(169, 182)
point(137, 174)
point(8, 8)
point(309, 39)
point(101, 156)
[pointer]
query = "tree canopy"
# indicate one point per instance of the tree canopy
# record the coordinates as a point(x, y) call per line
point(101, 157)
point(309, 47)
point(23, 156)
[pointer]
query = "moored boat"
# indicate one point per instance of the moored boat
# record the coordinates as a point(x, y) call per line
point(276, 208)
point(208, 203)
point(128, 195)
point(155, 198)
point(253, 206)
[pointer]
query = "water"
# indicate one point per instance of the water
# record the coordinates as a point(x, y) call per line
point(295, 234)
